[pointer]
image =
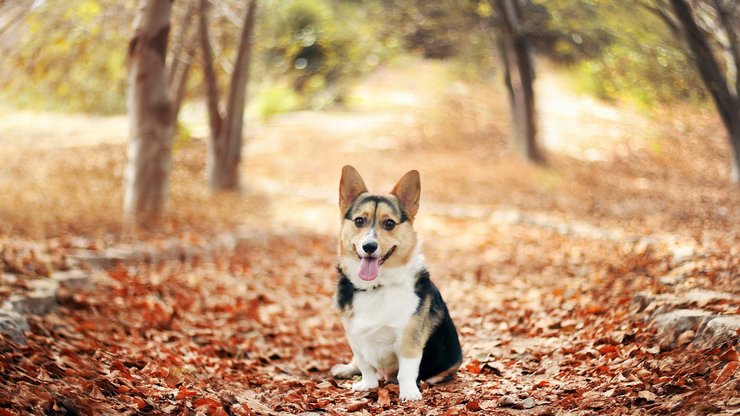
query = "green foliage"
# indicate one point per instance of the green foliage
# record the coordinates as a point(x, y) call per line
point(69, 56)
point(619, 50)
point(315, 47)
point(275, 99)
point(183, 136)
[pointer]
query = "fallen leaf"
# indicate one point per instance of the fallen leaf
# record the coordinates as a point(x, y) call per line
point(355, 406)
point(727, 372)
point(647, 395)
point(473, 406)
point(384, 398)
point(474, 367)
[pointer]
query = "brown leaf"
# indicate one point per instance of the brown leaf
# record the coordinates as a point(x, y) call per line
point(183, 393)
point(727, 372)
point(473, 406)
point(647, 395)
point(355, 406)
point(474, 367)
point(384, 398)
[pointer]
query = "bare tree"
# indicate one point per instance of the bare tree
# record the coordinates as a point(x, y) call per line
point(183, 52)
point(519, 78)
point(224, 149)
point(712, 22)
point(151, 115)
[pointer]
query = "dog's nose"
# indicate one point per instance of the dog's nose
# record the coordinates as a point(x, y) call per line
point(370, 247)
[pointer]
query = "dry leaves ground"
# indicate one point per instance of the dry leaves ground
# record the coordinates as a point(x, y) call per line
point(540, 267)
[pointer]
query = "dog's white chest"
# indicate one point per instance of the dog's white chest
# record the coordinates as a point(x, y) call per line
point(378, 321)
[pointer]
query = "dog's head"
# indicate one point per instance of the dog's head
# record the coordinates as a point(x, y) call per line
point(377, 230)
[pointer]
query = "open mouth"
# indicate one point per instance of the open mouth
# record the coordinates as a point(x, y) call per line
point(370, 266)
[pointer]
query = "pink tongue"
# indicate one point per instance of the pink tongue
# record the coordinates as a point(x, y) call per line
point(369, 268)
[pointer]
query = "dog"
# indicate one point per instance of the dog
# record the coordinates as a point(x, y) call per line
point(398, 326)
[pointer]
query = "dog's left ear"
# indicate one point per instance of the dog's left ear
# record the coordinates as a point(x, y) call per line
point(408, 191)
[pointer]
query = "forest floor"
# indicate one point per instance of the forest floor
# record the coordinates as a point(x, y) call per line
point(553, 274)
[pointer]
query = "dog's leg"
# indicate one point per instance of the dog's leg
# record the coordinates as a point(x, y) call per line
point(408, 371)
point(369, 378)
point(345, 371)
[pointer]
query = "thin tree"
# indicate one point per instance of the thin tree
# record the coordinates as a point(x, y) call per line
point(519, 78)
point(151, 115)
point(224, 146)
point(155, 95)
point(718, 24)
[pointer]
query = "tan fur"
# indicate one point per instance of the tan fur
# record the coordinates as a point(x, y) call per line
point(445, 375)
point(403, 236)
point(418, 330)
point(408, 191)
point(351, 186)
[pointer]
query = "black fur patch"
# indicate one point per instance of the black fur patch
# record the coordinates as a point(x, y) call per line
point(442, 350)
point(397, 209)
point(345, 291)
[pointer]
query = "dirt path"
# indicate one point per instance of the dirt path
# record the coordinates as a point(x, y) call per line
point(540, 268)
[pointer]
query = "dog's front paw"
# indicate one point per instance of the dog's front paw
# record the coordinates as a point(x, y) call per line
point(345, 371)
point(365, 384)
point(409, 393)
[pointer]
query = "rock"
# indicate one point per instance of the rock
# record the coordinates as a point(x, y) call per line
point(36, 303)
point(527, 403)
point(670, 325)
point(702, 297)
point(44, 285)
point(94, 259)
point(682, 252)
point(509, 400)
point(671, 279)
point(73, 279)
point(14, 326)
point(42, 300)
point(720, 329)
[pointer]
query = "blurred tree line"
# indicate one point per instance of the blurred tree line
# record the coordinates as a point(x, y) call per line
point(70, 55)
point(305, 54)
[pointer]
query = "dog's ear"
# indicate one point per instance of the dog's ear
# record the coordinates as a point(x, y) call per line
point(350, 187)
point(408, 191)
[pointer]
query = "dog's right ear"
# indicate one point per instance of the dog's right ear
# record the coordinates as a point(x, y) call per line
point(350, 187)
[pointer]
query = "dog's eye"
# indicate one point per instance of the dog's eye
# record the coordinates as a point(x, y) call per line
point(359, 222)
point(389, 224)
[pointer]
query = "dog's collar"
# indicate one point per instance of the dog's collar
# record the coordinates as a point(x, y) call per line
point(357, 289)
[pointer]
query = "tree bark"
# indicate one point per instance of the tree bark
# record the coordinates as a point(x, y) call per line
point(150, 115)
point(224, 150)
point(519, 79)
point(725, 99)
point(181, 58)
point(209, 75)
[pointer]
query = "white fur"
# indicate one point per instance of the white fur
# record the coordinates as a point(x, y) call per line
point(379, 319)
point(408, 371)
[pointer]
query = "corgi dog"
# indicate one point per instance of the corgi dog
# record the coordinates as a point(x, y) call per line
point(396, 322)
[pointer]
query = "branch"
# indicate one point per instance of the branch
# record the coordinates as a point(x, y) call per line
point(215, 118)
point(238, 85)
point(728, 23)
point(179, 42)
point(707, 64)
point(669, 19)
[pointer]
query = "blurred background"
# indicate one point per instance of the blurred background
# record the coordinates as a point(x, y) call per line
point(594, 110)
point(173, 169)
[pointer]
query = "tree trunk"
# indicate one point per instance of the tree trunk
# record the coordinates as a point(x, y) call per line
point(224, 150)
point(519, 80)
point(150, 116)
point(209, 76)
point(181, 60)
point(725, 99)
